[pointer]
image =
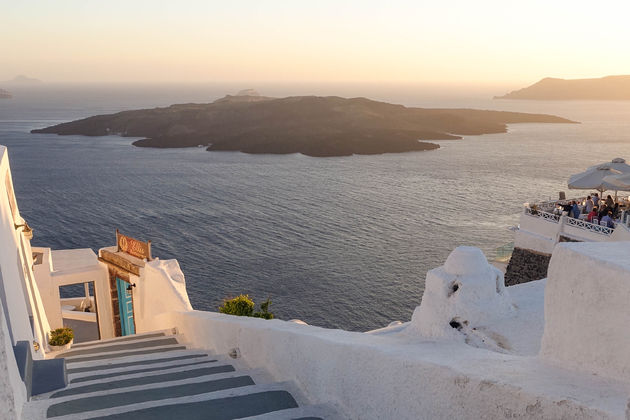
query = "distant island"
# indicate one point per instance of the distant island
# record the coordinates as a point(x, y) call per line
point(5, 94)
point(311, 125)
point(21, 79)
point(605, 88)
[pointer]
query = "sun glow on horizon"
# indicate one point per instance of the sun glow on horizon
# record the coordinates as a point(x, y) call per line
point(408, 42)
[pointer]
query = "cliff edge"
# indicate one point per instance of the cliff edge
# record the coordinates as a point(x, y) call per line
point(605, 88)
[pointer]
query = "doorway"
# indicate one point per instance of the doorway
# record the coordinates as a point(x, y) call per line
point(79, 310)
point(125, 306)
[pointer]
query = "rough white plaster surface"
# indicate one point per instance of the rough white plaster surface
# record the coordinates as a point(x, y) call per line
point(528, 240)
point(70, 260)
point(368, 376)
point(11, 262)
point(12, 389)
point(462, 299)
point(519, 334)
point(587, 308)
point(161, 288)
point(399, 372)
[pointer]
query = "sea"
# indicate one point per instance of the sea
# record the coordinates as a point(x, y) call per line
point(340, 242)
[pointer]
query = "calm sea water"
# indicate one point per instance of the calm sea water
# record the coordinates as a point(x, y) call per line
point(337, 242)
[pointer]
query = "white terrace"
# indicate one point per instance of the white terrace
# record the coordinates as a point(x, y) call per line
point(542, 225)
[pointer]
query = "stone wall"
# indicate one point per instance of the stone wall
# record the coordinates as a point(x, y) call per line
point(526, 265)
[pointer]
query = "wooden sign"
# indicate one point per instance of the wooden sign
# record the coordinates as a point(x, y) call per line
point(133, 247)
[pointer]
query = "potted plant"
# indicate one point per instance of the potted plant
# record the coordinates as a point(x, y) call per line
point(61, 338)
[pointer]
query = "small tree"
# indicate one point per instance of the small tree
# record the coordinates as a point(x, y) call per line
point(241, 305)
point(264, 310)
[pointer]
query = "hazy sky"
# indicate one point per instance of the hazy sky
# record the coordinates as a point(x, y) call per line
point(478, 41)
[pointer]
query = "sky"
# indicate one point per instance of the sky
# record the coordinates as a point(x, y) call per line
point(443, 42)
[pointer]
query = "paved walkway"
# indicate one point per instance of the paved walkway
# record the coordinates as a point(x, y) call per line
point(155, 376)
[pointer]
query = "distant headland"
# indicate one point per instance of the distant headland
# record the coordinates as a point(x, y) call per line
point(311, 125)
point(605, 88)
point(5, 94)
point(21, 79)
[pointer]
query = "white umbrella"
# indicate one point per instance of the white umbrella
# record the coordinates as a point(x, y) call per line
point(620, 182)
point(618, 164)
point(593, 179)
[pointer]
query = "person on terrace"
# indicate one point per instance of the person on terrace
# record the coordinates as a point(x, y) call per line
point(568, 207)
point(589, 204)
point(609, 201)
point(592, 214)
point(603, 211)
point(575, 209)
point(609, 220)
point(595, 199)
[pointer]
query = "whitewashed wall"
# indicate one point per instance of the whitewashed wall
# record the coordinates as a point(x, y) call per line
point(587, 308)
point(370, 377)
point(15, 269)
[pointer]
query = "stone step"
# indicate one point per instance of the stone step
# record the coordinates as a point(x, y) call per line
point(139, 369)
point(152, 334)
point(130, 398)
point(104, 357)
point(134, 361)
point(45, 400)
point(232, 403)
point(306, 412)
point(41, 403)
point(119, 346)
point(155, 376)
point(141, 379)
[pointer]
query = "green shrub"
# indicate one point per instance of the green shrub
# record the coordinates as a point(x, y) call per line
point(61, 336)
point(242, 305)
point(264, 310)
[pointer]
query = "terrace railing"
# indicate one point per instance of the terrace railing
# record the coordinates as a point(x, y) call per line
point(550, 217)
point(583, 224)
point(542, 211)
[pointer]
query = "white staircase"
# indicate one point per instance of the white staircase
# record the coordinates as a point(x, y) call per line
point(156, 376)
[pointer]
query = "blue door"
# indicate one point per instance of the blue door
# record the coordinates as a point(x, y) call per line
point(125, 306)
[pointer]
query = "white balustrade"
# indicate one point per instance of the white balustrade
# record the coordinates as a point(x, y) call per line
point(583, 224)
point(570, 221)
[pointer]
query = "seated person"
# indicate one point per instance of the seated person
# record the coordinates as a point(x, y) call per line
point(575, 210)
point(603, 211)
point(592, 214)
point(567, 207)
point(609, 220)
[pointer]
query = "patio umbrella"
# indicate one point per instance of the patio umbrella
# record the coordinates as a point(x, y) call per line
point(593, 179)
point(618, 164)
point(620, 182)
